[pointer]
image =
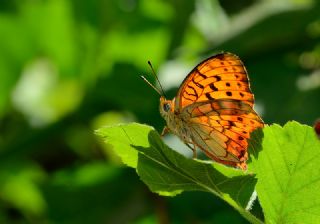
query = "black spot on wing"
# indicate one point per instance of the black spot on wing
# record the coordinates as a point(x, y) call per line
point(209, 97)
point(213, 87)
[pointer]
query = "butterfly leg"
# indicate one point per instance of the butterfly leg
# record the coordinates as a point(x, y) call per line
point(194, 150)
point(165, 131)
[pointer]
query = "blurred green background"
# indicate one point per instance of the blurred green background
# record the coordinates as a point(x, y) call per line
point(70, 67)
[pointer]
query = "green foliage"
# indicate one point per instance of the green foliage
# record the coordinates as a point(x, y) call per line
point(68, 68)
point(284, 164)
point(288, 174)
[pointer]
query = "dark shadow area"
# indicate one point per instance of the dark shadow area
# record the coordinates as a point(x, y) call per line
point(255, 143)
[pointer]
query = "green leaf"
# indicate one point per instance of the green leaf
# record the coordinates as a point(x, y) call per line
point(288, 174)
point(166, 172)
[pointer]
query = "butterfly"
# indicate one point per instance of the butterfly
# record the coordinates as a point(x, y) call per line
point(213, 110)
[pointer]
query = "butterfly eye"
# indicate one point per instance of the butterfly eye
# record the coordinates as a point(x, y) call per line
point(166, 107)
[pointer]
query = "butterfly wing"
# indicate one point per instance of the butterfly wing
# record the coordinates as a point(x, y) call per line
point(222, 76)
point(217, 103)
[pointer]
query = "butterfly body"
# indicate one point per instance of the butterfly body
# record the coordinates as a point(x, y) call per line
point(177, 122)
point(213, 110)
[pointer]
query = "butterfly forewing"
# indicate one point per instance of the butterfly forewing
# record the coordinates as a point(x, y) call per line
point(220, 77)
point(216, 102)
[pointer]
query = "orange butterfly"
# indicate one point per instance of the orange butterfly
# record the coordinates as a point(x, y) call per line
point(213, 110)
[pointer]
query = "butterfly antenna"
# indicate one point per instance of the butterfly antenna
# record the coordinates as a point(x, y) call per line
point(144, 79)
point(153, 72)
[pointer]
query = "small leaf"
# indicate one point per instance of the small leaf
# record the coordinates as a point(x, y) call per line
point(288, 174)
point(168, 173)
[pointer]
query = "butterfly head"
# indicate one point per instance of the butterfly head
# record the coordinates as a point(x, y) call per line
point(166, 107)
